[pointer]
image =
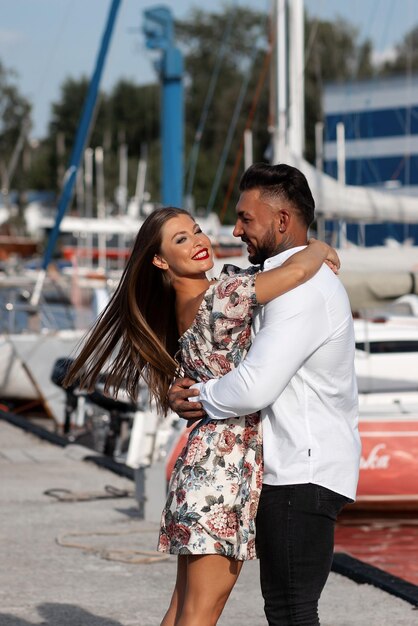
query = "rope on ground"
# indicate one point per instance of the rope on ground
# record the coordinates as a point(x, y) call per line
point(134, 557)
point(66, 495)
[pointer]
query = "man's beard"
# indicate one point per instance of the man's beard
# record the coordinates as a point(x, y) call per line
point(267, 248)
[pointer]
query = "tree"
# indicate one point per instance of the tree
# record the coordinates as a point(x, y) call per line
point(134, 119)
point(65, 117)
point(406, 56)
point(201, 36)
point(129, 114)
point(334, 55)
point(134, 112)
point(14, 126)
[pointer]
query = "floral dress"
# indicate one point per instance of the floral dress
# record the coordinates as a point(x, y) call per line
point(215, 485)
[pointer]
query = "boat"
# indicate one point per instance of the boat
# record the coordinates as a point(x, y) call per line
point(25, 369)
point(32, 337)
point(15, 245)
point(386, 362)
point(386, 355)
point(389, 460)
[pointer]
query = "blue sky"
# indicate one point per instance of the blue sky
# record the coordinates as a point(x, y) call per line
point(47, 40)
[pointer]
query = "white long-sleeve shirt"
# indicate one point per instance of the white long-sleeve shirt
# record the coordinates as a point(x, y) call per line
point(300, 373)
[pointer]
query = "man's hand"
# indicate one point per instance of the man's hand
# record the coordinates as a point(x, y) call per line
point(178, 399)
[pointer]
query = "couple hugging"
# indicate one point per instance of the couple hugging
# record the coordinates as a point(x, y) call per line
point(266, 359)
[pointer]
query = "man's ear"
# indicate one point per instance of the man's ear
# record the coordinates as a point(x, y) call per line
point(283, 220)
point(159, 262)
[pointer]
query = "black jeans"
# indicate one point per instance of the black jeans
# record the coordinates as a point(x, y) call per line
point(295, 543)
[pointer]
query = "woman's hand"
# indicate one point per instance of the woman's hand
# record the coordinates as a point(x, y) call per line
point(332, 259)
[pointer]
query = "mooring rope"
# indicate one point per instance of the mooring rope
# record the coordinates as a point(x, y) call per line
point(66, 495)
point(134, 557)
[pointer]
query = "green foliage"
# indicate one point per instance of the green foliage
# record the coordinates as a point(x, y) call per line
point(134, 113)
point(134, 118)
point(406, 58)
point(201, 37)
point(129, 114)
point(38, 176)
point(334, 55)
point(65, 116)
point(65, 113)
point(14, 110)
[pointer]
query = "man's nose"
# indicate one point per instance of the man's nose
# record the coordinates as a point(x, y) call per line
point(237, 232)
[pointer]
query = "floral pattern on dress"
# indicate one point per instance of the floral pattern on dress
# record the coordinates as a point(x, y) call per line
point(216, 482)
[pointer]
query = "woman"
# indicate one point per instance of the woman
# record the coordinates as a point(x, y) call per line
point(166, 311)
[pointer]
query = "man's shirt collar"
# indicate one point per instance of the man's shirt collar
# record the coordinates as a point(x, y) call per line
point(279, 259)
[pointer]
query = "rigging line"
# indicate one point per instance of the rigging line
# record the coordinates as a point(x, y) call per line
point(194, 154)
point(257, 93)
point(388, 24)
point(373, 169)
point(399, 168)
point(229, 137)
point(352, 115)
point(20, 143)
point(311, 41)
point(409, 59)
point(51, 56)
point(308, 52)
point(368, 161)
point(372, 18)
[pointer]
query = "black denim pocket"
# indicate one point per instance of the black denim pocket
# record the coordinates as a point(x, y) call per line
point(330, 503)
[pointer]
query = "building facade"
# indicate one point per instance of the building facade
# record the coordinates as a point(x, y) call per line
point(380, 119)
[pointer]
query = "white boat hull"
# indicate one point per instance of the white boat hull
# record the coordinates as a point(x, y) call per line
point(26, 365)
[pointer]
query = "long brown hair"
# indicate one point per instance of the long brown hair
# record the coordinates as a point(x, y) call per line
point(136, 334)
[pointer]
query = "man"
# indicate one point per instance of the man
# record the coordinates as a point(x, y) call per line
point(300, 373)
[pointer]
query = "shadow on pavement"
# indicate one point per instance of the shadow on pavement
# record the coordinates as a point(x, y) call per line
point(59, 615)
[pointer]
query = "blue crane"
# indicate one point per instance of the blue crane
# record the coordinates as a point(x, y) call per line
point(159, 35)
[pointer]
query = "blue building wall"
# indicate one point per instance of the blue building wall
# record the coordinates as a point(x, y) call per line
point(380, 118)
point(374, 171)
point(392, 122)
point(375, 234)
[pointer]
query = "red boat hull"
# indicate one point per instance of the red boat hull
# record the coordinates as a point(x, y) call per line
point(389, 461)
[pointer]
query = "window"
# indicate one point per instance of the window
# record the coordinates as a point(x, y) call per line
point(386, 347)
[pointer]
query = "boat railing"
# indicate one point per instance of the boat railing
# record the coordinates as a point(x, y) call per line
point(18, 315)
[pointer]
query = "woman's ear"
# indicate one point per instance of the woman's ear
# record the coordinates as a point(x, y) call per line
point(159, 262)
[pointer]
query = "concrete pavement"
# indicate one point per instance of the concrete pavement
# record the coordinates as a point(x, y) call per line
point(108, 577)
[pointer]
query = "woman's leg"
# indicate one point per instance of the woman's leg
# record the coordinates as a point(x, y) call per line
point(210, 579)
point(176, 603)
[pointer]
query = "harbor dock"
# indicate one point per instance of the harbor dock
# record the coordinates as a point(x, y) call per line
point(74, 551)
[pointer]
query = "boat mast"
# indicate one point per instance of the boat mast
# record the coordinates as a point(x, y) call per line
point(296, 79)
point(280, 81)
point(288, 78)
point(79, 145)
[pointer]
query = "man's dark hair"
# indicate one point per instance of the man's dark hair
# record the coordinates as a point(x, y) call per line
point(281, 182)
